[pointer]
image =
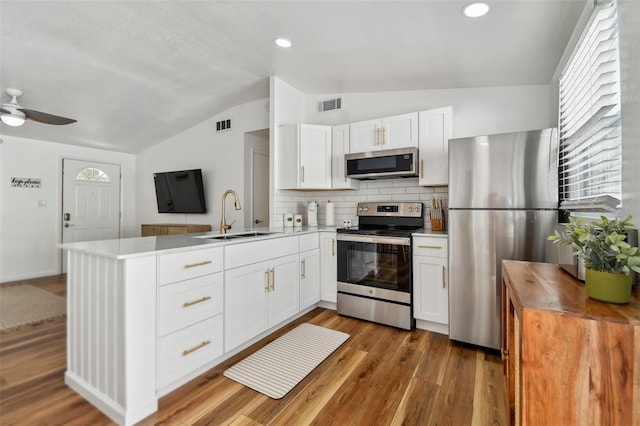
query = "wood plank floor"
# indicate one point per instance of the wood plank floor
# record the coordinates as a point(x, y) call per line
point(380, 376)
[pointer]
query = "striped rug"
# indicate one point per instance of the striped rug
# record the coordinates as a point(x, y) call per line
point(276, 368)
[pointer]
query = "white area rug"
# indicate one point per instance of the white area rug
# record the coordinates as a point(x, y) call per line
point(23, 304)
point(276, 368)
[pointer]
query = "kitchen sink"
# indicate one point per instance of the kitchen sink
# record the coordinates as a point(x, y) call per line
point(224, 237)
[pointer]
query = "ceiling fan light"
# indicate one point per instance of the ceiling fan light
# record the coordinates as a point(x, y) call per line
point(13, 119)
point(475, 10)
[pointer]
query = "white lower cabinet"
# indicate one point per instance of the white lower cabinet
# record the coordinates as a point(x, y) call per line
point(430, 283)
point(309, 278)
point(259, 296)
point(329, 267)
point(189, 313)
point(184, 351)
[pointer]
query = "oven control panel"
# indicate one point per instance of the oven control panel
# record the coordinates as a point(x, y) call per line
point(399, 209)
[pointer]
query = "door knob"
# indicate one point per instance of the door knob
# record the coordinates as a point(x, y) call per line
point(66, 225)
point(258, 221)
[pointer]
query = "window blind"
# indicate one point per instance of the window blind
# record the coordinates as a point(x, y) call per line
point(589, 120)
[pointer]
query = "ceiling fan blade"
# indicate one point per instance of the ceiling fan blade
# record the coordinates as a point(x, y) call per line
point(43, 117)
point(6, 111)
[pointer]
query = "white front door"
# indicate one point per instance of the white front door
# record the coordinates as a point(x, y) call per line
point(90, 201)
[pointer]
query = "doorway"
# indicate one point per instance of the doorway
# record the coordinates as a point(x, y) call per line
point(90, 202)
point(256, 156)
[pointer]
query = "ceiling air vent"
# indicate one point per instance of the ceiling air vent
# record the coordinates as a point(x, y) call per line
point(223, 125)
point(330, 105)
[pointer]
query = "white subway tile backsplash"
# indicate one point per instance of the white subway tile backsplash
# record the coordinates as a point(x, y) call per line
point(370, 191)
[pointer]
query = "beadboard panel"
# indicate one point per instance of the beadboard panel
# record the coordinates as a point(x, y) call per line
point(108, 341)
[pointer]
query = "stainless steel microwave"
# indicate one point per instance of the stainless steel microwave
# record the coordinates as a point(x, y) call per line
point(389, 163)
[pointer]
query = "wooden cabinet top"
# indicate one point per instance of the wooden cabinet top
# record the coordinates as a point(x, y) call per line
point(548, 287)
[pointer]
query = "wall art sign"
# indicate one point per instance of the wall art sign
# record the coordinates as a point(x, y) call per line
point(18, 182)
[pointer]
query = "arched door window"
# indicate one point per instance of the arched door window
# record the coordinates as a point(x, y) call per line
point(92, 174)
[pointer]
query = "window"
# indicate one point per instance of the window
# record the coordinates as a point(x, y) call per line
point(589, 121)
point(92, 174)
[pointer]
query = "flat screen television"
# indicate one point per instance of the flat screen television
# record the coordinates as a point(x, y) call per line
point(180, 191)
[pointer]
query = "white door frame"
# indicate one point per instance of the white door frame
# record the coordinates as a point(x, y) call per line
point(62, 206)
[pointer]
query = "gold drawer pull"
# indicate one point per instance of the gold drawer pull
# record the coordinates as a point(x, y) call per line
point(304, 268)
point(431, 247)
point(266, 281)
point(195, 348)
point(193, 265)
point(273, 279)
point(202, 299)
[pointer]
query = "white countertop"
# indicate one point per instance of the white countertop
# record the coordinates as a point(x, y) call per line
point(439, 234)
point(122, 248)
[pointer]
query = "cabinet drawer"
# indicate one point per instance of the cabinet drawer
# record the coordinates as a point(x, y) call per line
point(430, 246)
point(309, 242)
point(187, 302)
point(187, 350)
point(258, 251)
point(189, 264)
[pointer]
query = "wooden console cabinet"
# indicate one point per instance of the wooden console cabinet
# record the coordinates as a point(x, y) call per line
point(172, 229)
point(569, 360)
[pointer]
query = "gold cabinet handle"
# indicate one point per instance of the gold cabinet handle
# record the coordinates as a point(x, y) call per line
point(431, 247)
point(443, 277)
point(384, 136)
point(377, 136)
point(195, 348)
point(304, 268)
point(421, 169)
point(194, 302)
point(266, 281)
point(333, 247)
point(193, 265)
point(302, 171)
point(273, 279)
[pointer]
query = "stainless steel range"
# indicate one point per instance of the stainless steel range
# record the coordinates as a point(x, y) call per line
point(374, 263)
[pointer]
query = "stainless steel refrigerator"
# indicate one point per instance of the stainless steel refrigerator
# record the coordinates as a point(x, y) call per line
point(503, 203)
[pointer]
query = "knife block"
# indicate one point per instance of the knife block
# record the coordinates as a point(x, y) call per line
point(437, 220)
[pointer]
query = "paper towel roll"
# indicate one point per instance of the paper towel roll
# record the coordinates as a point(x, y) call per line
point(329, 214)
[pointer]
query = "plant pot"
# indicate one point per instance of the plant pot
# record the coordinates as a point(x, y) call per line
point(608, 287)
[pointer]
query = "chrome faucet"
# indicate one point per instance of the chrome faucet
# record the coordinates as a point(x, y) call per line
point(224, 227)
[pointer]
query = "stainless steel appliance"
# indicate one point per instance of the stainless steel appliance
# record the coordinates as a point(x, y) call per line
point(374, 263)
point(503, 203)
point(389, 163)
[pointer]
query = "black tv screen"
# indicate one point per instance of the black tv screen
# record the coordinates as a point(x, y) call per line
point(180, 191)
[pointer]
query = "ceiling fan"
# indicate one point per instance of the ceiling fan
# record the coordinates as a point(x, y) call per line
point(13, 114)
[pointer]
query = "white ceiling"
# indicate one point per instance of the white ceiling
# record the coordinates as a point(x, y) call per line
point(136, 72)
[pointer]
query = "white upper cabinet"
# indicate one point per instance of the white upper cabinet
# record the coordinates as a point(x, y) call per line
point(435, 132)
point(398, 131)
point(304, 157)
point(340, 147)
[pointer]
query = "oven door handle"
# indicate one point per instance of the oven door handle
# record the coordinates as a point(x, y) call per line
point(398, 241)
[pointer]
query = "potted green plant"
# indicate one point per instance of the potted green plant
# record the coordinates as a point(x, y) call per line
point(607, 256)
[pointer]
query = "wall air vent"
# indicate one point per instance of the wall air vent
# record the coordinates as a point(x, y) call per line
point(223, 125)
point(330, 105)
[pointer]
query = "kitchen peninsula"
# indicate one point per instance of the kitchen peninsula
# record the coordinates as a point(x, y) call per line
point(148, 314)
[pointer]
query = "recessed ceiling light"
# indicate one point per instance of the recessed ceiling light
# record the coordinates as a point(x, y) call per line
point(282, 42)
point(475, 10)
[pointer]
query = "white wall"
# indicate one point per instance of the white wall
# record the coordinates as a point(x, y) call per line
point(29, 233)
point(219, 155)
point(476, 111)
point(629, 36)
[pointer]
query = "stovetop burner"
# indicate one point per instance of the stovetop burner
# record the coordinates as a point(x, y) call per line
point(387, 232)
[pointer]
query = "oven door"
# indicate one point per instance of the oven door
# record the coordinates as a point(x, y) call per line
point(382, 262)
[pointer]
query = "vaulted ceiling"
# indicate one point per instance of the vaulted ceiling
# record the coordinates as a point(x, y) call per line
point(136, 72)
